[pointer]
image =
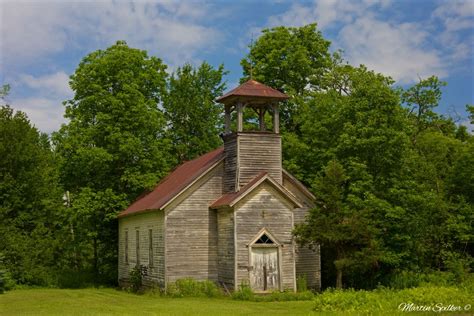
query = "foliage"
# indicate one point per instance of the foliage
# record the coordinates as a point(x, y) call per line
point(245, 293)
point(112, 149)
point(405, 200)
point(302, 283)
point(290, 59)
point(114, 139)
point(384, 300)
point(193, 117)
point(31, 231)
point(6, 281)
point(192, 288)
point(136, 278)
point(107, 301)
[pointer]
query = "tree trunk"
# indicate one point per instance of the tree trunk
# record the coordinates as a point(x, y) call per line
point(339, 279)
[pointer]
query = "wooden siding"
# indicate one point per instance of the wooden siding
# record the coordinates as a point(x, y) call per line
point(230, 163)
point(191, 231)
point(277, 218)
point(225, 245)
point(307, 261)
point(258, 152)
point(143, 223)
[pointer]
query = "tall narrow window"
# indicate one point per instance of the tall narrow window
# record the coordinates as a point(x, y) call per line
point(150, 247)
point(137, 240)
point(126, 247)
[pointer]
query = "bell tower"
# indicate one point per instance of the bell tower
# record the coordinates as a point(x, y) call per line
point(249, 152)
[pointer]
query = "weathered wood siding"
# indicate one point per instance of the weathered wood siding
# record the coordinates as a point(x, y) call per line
point(191, 231)
point(258, 152)
point(225, 244)
point(143, 223)
point(263, 208)
point(230, 163)
point(307, 261)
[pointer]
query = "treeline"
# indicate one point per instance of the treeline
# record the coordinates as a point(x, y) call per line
point(394, 180)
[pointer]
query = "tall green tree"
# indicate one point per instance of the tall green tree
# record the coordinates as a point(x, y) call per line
point(193, 117)
point(114, 145)
point(30, 201)
point(341, 221)
point(292, 60)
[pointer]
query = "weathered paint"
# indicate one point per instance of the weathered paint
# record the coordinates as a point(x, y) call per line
point(264, 208)
point(142, 223)
point(265, 270)
point(307, 260)
point(191, 231)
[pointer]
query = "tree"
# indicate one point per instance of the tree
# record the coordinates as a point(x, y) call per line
point(290, 59)
point(423, 97)
point(30, 196)
point(193, 117)
point(341, 221)
point(114, 146)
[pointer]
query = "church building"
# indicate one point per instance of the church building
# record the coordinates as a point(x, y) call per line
point(226, 216)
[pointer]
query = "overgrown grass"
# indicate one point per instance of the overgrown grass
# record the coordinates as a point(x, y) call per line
point(192, 288)
point(245, 293)
point(383, 300)
point(205, 298)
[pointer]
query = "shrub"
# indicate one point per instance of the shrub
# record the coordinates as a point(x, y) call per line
point(302, 283)
point(191, 288)
point(136, 279)
point(6, 281)
point(410, 279)
point(70, 279)
point(384, 300)
point(244, 293)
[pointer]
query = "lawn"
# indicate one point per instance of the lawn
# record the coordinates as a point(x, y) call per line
point(112, 302)
point(107, 301)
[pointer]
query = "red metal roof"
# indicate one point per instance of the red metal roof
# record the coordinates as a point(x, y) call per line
point(174, 183)
point(230, 199)
point(252, 89)
point(227, 199)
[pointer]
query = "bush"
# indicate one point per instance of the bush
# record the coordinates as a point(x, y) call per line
point(245, 293)
point(70, 279)
point(6, 281)
point(384, 300)
point(136, 279)
point(302, 283)
point(191, 288)
point(410, 279)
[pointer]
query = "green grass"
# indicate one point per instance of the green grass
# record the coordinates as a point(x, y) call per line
point(113, 302)
point(106, 301)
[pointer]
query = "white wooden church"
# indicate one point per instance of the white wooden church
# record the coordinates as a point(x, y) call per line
point(228, 215)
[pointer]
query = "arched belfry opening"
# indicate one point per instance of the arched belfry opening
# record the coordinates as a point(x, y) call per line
point(256, 96)
point(249, 152)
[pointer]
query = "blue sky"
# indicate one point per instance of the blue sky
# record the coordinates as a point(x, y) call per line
point(42, 42)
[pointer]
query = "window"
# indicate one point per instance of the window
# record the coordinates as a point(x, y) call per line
point(137, 240)
point(150, 247)
point(264, 239)
point(126, 247)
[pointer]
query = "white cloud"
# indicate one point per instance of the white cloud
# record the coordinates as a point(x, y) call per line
point(175, 31)
point(370, 36)
point(46, 114)
point(31, 30)
point(56, 84)
point(396, 50)
point(38, 32)
point(326, 12)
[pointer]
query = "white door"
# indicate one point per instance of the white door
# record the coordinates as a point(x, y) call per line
point(264, 275)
